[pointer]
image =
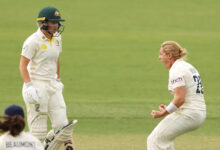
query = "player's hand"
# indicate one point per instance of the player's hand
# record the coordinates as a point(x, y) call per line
point(32, 93)
point(161, 113)
point(156, 114)
point(162, 107)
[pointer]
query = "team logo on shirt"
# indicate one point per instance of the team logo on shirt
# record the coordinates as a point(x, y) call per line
point(43, 47)
point(177, 80)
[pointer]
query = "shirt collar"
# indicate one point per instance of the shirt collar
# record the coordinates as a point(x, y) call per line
point(41, 35)
point(176, 62)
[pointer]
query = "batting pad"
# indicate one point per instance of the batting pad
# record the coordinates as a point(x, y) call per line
point(38, 127)
point(54, 142)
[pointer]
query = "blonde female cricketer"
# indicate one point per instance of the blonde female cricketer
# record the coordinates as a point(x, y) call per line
point(187, 110)
point(42, 89)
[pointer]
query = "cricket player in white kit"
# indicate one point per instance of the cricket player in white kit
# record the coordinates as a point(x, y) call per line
point(14, 137)
point(187, 110)
point(42, 89)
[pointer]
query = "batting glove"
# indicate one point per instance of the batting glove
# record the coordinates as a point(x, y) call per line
point(33, 94)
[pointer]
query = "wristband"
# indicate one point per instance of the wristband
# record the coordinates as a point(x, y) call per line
point(171, 108)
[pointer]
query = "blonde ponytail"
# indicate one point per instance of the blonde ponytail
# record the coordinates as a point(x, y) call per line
point(172, 47)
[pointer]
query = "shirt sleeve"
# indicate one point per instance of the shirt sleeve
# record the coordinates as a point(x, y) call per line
point(177, 79)
point(29, 49)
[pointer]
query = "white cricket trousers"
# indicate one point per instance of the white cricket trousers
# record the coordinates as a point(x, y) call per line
point(174, 125)
point(50, 104)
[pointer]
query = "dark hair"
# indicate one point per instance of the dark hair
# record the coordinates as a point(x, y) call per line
point(15, 124)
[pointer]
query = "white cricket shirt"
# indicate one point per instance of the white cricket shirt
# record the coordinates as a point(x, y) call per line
point(184, 74)
point(43, 54)
point(24, 141)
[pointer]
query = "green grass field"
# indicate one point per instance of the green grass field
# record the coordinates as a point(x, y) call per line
point(110, 66)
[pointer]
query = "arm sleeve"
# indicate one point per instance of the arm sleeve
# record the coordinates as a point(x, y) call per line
point(29, 49)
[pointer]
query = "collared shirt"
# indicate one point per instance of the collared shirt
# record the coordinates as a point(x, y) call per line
point(184, 74)
point(43, 54)
point(24, 141)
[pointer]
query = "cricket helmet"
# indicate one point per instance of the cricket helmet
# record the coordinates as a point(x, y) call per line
point(49, 13)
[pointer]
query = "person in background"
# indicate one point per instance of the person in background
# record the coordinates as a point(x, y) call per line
point(14, 137)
